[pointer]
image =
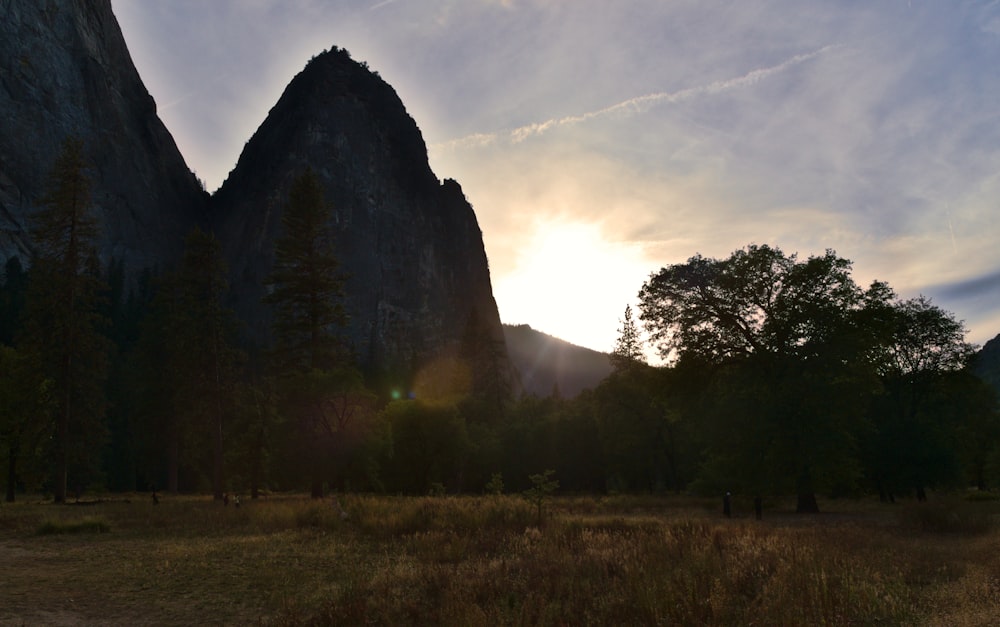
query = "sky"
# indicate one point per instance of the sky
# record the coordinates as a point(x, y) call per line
point(600, 141)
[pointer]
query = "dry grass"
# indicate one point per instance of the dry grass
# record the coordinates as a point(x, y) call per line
point(464, 561)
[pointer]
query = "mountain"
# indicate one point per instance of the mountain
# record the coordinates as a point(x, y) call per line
point(418, 285)
point(987, 363)
point(545, 362)
point(417, 276)
point(65, 71)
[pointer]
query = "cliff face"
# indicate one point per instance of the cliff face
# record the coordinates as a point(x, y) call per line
point(418, 283)
point(65, 71)
point(417, 274)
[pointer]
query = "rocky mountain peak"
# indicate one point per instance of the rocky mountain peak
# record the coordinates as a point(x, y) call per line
point(65, 71)
point(418, 285)
point(417, 274)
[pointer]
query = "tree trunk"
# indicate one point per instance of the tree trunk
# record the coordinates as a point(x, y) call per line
point(807, 504)
point(173, 463)
point(217, 476)
point(11, 472)
point(62, 456)
point(317, 487)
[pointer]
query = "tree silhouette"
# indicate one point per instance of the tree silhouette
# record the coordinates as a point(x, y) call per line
point(320, 390)
point(306, 288)
point(628, 347)
point(782, 335)
point(63, 322)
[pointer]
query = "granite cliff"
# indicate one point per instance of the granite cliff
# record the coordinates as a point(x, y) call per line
point(410, 245)
point(65, 71)
point(418, 285)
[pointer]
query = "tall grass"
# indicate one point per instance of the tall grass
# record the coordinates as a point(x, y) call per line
point(87, 525)
point(290, 560)
point(621, 571)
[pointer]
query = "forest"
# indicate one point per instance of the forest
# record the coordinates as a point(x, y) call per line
point(776, 376)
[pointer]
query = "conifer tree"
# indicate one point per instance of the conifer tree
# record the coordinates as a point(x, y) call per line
point(321, 392)
point(63, 322)
point(188, 347)
point(306, 286)
point(207, 335)
point(24, 403)
point(628, 347)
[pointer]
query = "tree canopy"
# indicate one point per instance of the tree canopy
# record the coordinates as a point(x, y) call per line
point(806, 365)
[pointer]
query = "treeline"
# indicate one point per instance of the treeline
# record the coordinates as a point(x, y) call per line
point(781, 376)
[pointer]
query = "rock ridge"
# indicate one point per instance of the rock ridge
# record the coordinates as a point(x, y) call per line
point(65, 71)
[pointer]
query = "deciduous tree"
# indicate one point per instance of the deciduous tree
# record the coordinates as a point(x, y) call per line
point(777, 329)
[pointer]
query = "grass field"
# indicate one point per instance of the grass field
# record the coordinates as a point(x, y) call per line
point(287, 560)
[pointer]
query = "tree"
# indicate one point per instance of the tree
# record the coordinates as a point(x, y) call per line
point(757, 301)
point(207, 337)
point(306, 287)
point(319, 390)
point(429, 445)
point(189, 347)
point(782, 335)
point(542, 487)
point(12, 291)
point(628, 347)
point(62, 320)
point(256, 426)
point(24, 402)
point(483, 354)
point(922, 349)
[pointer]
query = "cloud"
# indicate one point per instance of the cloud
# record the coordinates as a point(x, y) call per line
point(631, 106)
point(983, 286)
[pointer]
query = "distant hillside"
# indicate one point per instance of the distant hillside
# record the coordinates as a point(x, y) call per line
point(987, 363)
point(545, 361)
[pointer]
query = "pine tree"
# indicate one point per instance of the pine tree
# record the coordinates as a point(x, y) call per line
point(25, 400)
point(62, 319)
point(320, 390)
point(188, 353)
point(306, 286)
point(209, 360)
point(628, 347)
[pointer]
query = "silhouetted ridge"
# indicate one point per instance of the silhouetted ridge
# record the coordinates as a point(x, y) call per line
point(546, 363)
point(410, 246)
point(332, 76)
point(987, 363)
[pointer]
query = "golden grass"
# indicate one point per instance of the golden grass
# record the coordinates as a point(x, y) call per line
point(483, 561)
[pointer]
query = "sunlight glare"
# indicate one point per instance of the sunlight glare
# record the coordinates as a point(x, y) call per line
point(571, 282)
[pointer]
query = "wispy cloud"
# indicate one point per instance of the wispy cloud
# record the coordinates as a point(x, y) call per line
point(632, 106)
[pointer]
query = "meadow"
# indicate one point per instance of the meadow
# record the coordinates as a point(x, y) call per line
point(641, 560)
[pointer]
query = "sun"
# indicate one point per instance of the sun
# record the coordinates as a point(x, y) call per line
point(573, 282)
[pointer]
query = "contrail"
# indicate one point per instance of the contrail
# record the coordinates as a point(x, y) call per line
point(951, 231)
point(639, 104)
